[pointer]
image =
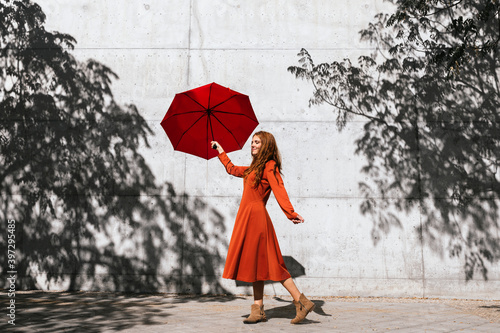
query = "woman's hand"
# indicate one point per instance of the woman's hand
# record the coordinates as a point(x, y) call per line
point(298, 219)
point(216, 145)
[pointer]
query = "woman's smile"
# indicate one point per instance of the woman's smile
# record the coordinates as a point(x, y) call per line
point(256, 143)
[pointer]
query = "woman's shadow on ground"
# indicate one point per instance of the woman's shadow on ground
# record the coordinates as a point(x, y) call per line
point(287, 311)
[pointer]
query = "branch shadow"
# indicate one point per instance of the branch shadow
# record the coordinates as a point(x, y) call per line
point(39, 311)
point(497, 307)
point(79, 311)
point(430, 107)
point(89, 213)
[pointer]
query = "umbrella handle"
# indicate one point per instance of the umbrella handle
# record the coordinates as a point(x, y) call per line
point(214, 146)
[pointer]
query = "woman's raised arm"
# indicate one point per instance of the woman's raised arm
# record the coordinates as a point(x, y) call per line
point(231, 169)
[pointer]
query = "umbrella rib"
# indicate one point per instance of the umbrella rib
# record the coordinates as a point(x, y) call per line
point(227, 130)
point(209, 122)
point(223, 101)
point(187, 112)
point(195, 101)
point(211, 128)
point(238, 114)
point(209, 95)
point(188, 130)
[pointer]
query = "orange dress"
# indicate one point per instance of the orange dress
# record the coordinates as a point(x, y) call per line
point(254, 253)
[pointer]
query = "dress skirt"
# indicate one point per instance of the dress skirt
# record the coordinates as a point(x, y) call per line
point(254, 253)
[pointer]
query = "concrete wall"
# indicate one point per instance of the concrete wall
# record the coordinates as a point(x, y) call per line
point(161, 47)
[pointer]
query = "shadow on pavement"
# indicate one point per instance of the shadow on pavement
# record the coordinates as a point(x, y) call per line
point(288, 311)
point(497, 307)
point(95, 312)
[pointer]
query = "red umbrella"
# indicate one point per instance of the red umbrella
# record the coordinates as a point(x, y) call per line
point(208, 113)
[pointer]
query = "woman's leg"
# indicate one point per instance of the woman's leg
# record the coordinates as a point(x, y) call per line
point(257, 313)
point(258, 292)
point(302, 305)
point(292, 288)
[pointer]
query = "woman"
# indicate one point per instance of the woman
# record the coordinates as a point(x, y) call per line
point(254, 254)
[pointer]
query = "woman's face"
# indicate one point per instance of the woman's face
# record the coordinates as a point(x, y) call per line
point(256, 143)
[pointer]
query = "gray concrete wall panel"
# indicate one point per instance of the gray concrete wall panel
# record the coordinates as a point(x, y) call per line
point(159, 48)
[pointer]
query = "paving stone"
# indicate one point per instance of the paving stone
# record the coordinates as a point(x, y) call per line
point(132, 313)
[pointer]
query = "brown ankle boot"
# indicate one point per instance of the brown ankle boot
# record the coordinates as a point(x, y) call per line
point(303, 306)
point(256, 314)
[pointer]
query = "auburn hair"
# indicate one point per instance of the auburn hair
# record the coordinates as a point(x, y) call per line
point(268, 151)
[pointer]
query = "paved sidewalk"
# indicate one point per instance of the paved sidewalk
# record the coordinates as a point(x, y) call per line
point(132, 313)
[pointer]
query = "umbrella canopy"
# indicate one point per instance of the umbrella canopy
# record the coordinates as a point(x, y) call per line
point(209, 113)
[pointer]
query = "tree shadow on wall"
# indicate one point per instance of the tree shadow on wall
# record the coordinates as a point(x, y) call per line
point(430, 95)
point(89, 214)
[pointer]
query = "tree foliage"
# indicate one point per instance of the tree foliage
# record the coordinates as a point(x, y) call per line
point(430, 95)
point(71, 173)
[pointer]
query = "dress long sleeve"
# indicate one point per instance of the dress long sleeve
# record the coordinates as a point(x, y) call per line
point(231, 169)
point(278, 188)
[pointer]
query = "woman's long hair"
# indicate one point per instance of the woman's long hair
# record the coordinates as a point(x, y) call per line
point(268, 151)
